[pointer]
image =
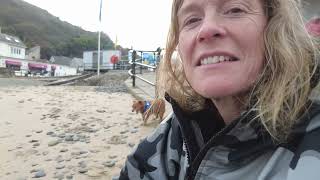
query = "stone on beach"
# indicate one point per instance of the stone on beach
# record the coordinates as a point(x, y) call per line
point(53, 143)
point(39, 174)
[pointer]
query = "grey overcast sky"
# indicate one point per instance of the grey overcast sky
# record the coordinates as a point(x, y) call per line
point(142, 24)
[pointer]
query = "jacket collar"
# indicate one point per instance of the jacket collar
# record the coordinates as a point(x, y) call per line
point(245, 136)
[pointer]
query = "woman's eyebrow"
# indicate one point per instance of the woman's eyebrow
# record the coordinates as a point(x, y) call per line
point(193, 6)
point(187, 8)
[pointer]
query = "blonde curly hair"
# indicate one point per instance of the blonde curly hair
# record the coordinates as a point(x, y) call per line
point(281, 94)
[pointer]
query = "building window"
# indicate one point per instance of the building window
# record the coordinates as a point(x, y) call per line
point(15, 50)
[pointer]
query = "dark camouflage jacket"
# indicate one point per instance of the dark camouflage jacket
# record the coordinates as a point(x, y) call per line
point(200, 146)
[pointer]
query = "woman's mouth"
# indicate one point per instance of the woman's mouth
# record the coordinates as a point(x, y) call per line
point(217, 59)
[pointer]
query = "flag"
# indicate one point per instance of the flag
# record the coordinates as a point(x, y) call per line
point(100, 10)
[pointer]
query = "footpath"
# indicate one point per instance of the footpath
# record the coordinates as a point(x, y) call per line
point(142, 90)
point(145, 91)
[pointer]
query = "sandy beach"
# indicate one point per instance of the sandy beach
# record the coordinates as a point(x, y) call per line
point(66, 132)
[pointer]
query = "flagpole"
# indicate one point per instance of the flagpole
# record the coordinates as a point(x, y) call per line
point(99, 36)
point(98, 70)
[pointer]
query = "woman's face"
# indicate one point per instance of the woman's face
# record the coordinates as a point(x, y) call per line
point(221, 45)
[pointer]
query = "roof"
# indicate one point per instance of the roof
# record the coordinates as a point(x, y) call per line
point(11, 40)
point(76, 62)
point(61, 60)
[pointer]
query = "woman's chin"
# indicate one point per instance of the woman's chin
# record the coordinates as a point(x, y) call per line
point(217, 92)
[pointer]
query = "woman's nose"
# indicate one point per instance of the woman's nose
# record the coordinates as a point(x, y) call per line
point(210, 29)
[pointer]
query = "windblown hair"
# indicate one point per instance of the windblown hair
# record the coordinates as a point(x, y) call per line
point(281, 94)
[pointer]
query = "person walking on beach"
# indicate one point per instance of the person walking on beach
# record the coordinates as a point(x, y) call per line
point(240, 98)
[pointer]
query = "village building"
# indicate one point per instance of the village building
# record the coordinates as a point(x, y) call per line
point(12, 51)
point(15, 57)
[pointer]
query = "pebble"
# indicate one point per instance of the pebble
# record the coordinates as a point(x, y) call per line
point(39, 131)
point(68, 137)
point(83, 170)
point(75, 153)
point(33, 141)
point(69, 176)
point(115, 178)
point(107, 127)
point(101, 111)
point(62, 135)
point(131, 145)
point(63, 150)
point(75, 138)
point(123, 132)
point(59, 159)
point(50, 133)
point(117, 140)
point(91, 130)
point(109, 163)
point(83, 152)
point(58, 176)
point(133, 131)
point(53, 143)
point(61, 166)
point(84, 124)
point(34, 170)
point(93, 173)
point(112, 156)
point(82, 164)
point(94, 151)
point(39, 174)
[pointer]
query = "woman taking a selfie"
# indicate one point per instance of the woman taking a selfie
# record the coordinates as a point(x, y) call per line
point(240, 95)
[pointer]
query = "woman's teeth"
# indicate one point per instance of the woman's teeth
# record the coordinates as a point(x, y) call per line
point(216, 59)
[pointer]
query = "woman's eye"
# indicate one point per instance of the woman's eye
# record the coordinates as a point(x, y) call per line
point(191, 21)
point(235, 11)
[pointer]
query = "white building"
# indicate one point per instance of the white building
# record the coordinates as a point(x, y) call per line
point(11, 47)
point(90, 59)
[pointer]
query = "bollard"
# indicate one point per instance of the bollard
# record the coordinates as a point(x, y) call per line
point(141, 62)
point(133, 68)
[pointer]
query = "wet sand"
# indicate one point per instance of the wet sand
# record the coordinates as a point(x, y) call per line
point(68, 132)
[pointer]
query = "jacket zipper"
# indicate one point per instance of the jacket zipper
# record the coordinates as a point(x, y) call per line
point(193, 168)
point(187, 151)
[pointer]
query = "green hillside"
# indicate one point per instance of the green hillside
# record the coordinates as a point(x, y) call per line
point(35, 26)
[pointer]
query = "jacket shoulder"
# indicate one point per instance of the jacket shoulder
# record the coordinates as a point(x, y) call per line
point(306, 160)
point(158, 156)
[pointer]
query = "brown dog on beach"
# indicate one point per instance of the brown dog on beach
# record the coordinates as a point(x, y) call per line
point(146, 108)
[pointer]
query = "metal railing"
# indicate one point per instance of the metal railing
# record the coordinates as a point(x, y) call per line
point(106, 66)
point(135, 62)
